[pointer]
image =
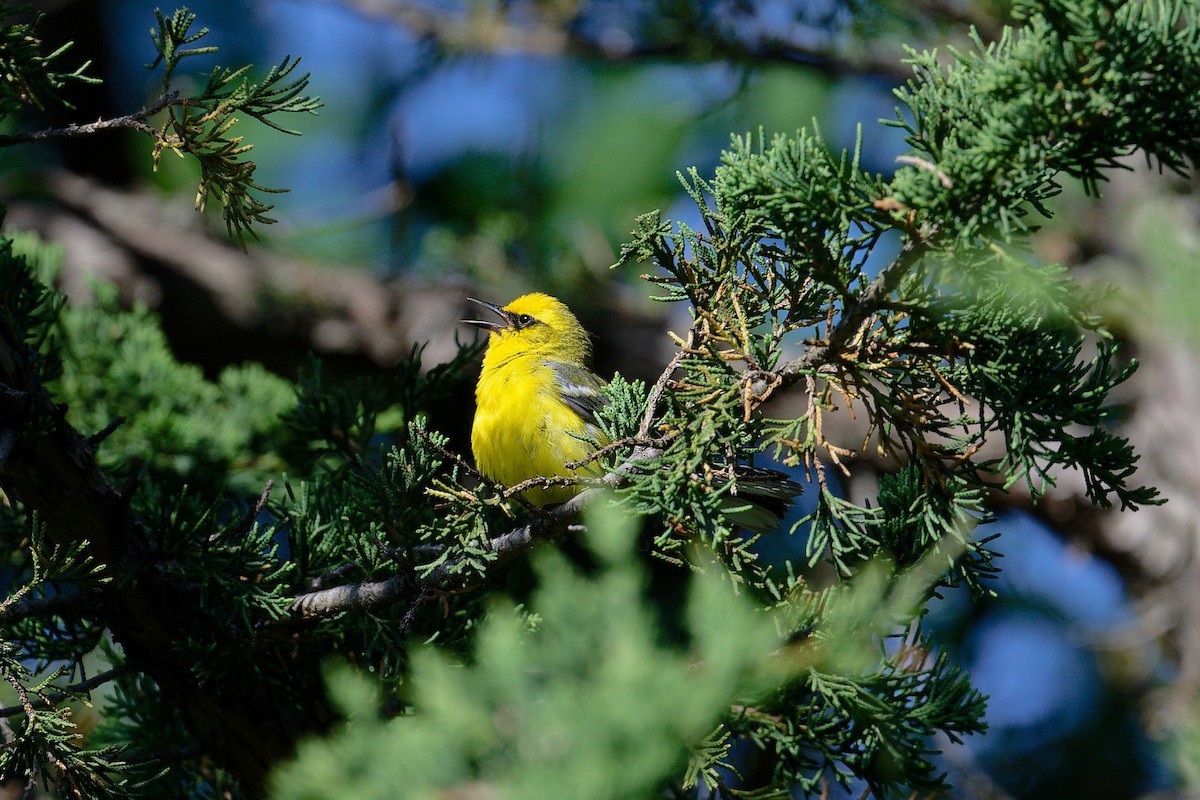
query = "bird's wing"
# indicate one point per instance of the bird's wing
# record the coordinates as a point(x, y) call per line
point(580, 388)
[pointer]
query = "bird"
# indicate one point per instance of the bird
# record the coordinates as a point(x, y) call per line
point(537, 401)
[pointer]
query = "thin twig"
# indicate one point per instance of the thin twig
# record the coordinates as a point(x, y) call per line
point(247, 520)
point(423, 595)
point(928, 166)
point(848, 326)
point(253, 513)
point(46, 699)
point(447, 454)
point(660, 386)
point(134, 121)
point(102, 434)
point(600, 452)
point(26, 706)
point(538, 481)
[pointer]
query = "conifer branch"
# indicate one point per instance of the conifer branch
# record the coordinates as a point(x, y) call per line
point(54, 474)
point(31, 76)
point(761, 385)
point(46, 699)
point(201, 126)
point(26, 705)
point(134, 121)
point(503, 548)
point(547, 526)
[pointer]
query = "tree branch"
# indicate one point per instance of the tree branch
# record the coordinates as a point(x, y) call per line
point(45, 699)
point(555, 524)
point(506, 547)
point(134, 121)
point(335, 312)
point(40, 607)
point(496, 33)
point(26, 705)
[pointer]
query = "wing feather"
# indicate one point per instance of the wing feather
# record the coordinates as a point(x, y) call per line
point(580, 388)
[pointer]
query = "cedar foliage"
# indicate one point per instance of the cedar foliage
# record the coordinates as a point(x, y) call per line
point(203, 550)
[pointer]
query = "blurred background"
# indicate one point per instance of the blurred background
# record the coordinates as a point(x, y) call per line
point(493, 148)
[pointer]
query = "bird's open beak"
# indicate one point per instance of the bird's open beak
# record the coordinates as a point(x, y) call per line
point(490, 326)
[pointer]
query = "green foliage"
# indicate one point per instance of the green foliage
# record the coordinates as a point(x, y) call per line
point(1185, 748)
point(29, 76)
point(29, 309)
point(1014, 319)
point(342, 418)
point(1077, 87)
point(200, 126)
point(585, 705)
point(203, 126)
point(118, 378)
point(625, 404)
point(195, 455)
point(582, 704)
point(906, 301)
point(44, 745)
point(118, 368)
point(847, 726)
point(956, 341)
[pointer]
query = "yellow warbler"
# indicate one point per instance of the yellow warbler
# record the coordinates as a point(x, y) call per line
point(536, 399)
point(536, 404)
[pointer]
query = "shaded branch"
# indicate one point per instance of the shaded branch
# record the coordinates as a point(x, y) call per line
point(263, 298)
point(135, 121)
point(506, 547)
point(495, 33)
point(549, 527)
point(41, 607)
point(46, 699)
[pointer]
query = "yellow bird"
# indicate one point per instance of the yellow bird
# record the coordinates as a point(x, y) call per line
point(536, 399)
point(536, 404)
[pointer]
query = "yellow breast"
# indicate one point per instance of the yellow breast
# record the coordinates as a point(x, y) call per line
point(523, 429)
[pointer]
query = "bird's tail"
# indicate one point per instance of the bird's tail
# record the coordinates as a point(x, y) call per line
point(759, 498)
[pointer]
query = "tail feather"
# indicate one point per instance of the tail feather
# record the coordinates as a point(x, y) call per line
point(759, 498)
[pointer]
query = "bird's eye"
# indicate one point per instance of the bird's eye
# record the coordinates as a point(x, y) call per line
point(524, 321)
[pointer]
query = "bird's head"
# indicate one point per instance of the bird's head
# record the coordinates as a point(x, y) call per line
point(534, 325)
